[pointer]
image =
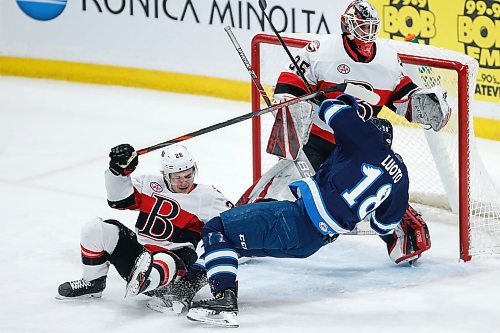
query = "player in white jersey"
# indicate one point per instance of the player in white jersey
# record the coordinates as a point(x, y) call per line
point(355, 57)
point(172, 211)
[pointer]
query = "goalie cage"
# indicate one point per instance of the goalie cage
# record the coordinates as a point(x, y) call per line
point(445, 168)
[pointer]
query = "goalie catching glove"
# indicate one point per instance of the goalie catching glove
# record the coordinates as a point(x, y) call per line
point(123, 160)
point(409, 239)
point(426, 106)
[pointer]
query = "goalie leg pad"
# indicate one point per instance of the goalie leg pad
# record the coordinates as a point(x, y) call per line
point(410, 238)
point(290, 130)
point(273, 184)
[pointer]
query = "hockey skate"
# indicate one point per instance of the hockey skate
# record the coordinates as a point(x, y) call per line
point(138, 280)
point(177, 296)
point(80, 289)
point(220, 310)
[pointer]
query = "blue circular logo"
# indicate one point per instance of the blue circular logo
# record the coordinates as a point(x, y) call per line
point(42, 10)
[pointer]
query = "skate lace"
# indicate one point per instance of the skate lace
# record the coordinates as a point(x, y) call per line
point(78, 284)
point(217, 297)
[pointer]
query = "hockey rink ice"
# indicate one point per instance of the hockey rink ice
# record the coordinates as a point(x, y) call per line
point(55, 137)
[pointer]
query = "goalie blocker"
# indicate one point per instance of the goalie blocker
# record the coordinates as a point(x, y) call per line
point(409, 239)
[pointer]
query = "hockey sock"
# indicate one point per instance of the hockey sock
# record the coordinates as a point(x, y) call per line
point(95, 263)
point(97, 240)
point(163, 270)
point(221, 259)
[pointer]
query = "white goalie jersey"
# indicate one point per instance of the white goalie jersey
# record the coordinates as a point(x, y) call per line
point(327, 61)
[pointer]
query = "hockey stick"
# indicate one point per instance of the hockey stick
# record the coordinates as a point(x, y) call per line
point(348, 88)
point(263, 6)
point(302, 163)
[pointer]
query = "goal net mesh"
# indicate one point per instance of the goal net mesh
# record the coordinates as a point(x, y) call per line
point(434, 159)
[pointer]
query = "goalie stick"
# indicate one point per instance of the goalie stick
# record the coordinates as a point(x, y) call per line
point(301, 162)
point(348, 88)
point(263, 6)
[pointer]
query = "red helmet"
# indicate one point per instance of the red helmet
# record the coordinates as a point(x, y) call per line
point(360, 21)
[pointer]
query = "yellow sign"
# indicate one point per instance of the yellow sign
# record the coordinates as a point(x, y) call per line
point(468, 26)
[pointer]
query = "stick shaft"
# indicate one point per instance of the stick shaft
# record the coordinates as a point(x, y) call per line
point(340, 87)
point(302, 163)
point(244, 59)
point(282, 42)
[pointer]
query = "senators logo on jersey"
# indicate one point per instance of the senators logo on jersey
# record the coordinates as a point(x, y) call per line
point(158, 225)
point(156, 187)
point(313, 46)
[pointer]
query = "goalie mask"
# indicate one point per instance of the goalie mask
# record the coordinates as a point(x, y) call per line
point(361, 24)
point(385, 127)
point(175, 160)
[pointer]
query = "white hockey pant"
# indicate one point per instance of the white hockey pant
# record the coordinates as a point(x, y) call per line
point(98, 239)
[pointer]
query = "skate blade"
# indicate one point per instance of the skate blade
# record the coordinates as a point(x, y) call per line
point(180, 308)
point(82, 297)
point(415, 262)
point(160, 308)
point(223, 318)
point(137, 279)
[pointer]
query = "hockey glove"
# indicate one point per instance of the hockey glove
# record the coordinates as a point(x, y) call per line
point(409, 239)
point(123, 160)
point(365, 110)
point(426, 106)
point(339, 102)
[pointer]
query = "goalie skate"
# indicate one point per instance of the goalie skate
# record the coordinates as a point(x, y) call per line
point(138, 280)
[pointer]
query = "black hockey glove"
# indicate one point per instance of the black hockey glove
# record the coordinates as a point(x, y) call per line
point(365, 110)
point(123, 160)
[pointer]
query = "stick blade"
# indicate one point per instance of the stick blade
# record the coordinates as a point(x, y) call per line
point(362, 93)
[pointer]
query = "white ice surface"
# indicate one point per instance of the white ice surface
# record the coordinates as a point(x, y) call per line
point(54, 141)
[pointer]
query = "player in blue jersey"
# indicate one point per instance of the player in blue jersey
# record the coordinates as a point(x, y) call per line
point(362, 178)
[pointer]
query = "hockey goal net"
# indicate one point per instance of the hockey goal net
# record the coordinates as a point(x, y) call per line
point(445, 168)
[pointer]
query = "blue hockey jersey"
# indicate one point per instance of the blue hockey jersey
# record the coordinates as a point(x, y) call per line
point(361, 177)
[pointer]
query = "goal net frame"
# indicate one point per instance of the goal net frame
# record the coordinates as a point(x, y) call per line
point(464, 124)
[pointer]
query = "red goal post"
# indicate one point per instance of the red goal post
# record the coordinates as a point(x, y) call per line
point(427, 61)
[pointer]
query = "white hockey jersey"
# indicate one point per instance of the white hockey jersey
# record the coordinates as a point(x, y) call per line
point(330, 60)
point(167, 220)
